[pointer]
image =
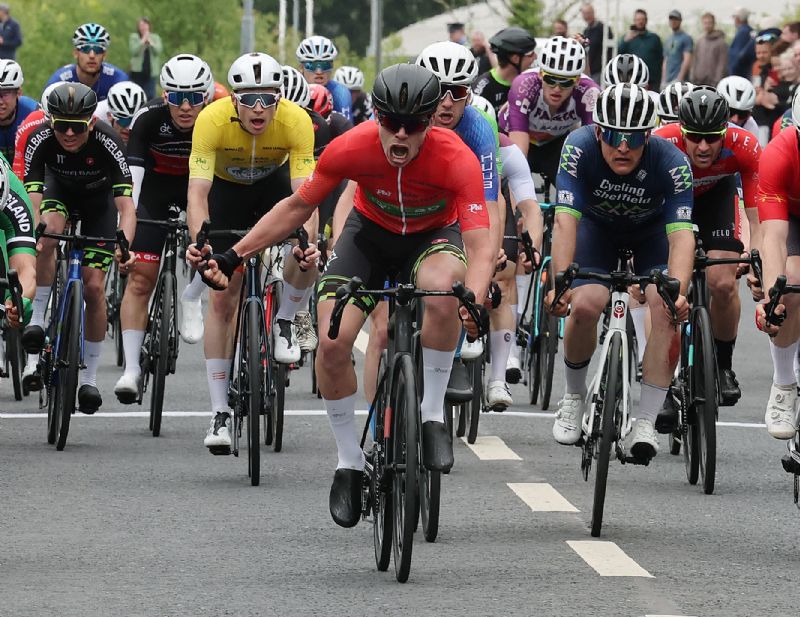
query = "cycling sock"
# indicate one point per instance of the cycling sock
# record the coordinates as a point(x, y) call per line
point(40, 305)
point(132, 344)
point(575, 375)
point(514, 308)
point(514, 352)
point(194, 289)
point(651, 402)
point(291, 302)
point(783, 363)
point(522, 288)
point(501, 347)
point(91, 357)
point(217, 373)
point(725, 353)
point(638, 317)
point(436, 367)
point(306, 297)
point(342, 416)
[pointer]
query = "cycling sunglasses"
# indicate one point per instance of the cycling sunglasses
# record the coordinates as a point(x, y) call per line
point(412, 124)
point(123, 122)
point(710, 138)
point(559, 82)
point(318, 65)
point(194, 98)
point(87, 49)
point(457, 93)
point(78, 126)
point(249, 99)
point(614, 138)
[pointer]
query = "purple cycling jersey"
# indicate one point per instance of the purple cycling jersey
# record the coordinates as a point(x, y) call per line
point(527, 111)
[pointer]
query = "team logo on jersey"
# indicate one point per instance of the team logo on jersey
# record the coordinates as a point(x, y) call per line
point(566, 198)
point(569, 159)
point(475, 208)
point(684, 213)
point(383, 193)
point(682, 177)
point(89, 160)
point(165, 129)
point(641, 175)
point(589, 98)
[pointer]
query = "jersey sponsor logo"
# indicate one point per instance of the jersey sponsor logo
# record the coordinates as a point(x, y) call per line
point(383, 193)
point(566, 198)
point(60, 158)
point(89, 161)
point(641, 175)
point(682, 177)
point(65, 75)
point(475, 208)
point(249, 174)
point(487, 167)
point(20, 212)
point(684, 213)
point(570, 155)
point(201, 163)
point(589, 98)
point(440, 241)
point(107, 70)
point(114, 150)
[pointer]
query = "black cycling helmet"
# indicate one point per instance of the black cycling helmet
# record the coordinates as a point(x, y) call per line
point(72, 99)
point(512, 40)
point(406, 90)
point(704, 110)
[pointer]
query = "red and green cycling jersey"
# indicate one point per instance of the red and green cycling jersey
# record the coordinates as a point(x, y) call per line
point(779, 178)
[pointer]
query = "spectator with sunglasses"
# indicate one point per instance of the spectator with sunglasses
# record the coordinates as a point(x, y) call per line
point(158, 152)
point(124, 100)
point(90, 43)
point(515, 50)
point(14, 107)
point(316, 55)
point(620, 187)
point(724, 160)
point(60, 184)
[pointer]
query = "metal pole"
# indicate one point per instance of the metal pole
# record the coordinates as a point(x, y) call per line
point(309, 18)
point(379, 39)
point(248, 36)
point(282, 31)
point(376, 31)
point(296, 17)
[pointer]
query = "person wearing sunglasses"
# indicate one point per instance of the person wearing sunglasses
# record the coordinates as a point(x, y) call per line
point(419, 211)
point(544, 105)
point(620, 187)
point(85, 166)
point(90, 45)
point(515, 49)
point(158, 152)
point(124, 100)
point(14, 107)
point(724, 161)
point(741, 97)
point(316, 55)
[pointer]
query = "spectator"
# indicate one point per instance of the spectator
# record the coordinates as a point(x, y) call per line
point(560, 28)
point(145, 48)
point(595, 35)
point(789, 34)
point(457, 33)
point(762, 67)
point(645, 44)
point(10, 34)
point(481, 51)
point(775, 96)
point(710, 54)
point(678, 50)
point(742, 52)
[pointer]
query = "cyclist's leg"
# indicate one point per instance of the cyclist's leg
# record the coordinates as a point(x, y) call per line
point(378, 336)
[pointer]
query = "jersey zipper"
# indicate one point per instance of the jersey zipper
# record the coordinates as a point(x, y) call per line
point(400, 198)
point(252, 159)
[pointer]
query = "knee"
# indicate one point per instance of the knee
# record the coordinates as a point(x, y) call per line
point(378, 334)
point(584, 312)
point(139, 285)
point(332, 354)
point(223, 305)
point(440, 309)
point(723, 286)
point(94, 291)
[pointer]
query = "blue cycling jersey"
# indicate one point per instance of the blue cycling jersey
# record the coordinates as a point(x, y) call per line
point(8, 133)
point(475, 131)
point(109, 75)
point(659, 189)
point(342, 101)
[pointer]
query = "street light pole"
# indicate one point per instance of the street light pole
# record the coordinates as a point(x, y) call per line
point(376, 31)
point(282, 30)
point(309, 18)
point(248, 36)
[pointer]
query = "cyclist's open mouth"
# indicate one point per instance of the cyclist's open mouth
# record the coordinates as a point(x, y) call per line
point(398, 153)
point(258, 123)
point(444, 117)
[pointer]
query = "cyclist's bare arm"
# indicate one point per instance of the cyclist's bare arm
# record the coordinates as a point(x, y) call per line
point(197, 204)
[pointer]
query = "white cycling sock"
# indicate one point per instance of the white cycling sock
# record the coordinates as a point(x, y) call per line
point(40, 305)
point(91, 357)
point(575, 377)
point(522, 288)
point(651, 402)
point(194, 289)
point(291, 302)
point(783, 363)
point(342, 416)
point(638, 316)
point(132, 345)
point(218, 380)
point(436, 367)
point(501, 347)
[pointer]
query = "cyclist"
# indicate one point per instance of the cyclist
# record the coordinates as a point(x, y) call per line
point(353, 78)
point(236, 173)
point(26, 127)
point(626, 69)
point(90, 42)
point(669, 101)
point(620, 187)
point(316, 55)
point(413, 206)
point(124, 101)
point(723, 156)
point(546, 103)
point(218, 91)
point(14, 107)
point(515, 49)
point(779, 210)
point(158, 153)
point(296, 89)
point(60, 150)
point(741, 97)
point(322, 103)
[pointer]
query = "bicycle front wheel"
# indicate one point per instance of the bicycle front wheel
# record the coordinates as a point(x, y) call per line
point(67, 365)
point(159, 341)
point(251, 363)
point(704, 397)
point(15, 358)
point(476, 404)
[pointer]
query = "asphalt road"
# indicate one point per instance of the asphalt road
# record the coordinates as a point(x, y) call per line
point(121, 523)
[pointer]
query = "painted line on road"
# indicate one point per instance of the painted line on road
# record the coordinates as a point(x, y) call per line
point(667, 616)
point(607, 559)
point(490, 448)
point(541, 497)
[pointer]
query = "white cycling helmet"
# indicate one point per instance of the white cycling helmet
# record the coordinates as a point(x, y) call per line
point(738, 91)
point(295, 86)
point(562, 57)
point(452, 63)
point(186, 73)
point(484, 105)
point(316, 48)
point(91, 34)
point(350, 76)
point(625, 107)
point(669, 101)
point(10, 74)
point(46, 93)
point(255, 70)
point(626, 68)
point(125, 98)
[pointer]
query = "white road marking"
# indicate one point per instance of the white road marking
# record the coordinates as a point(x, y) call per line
point(490, 448)
point(607, 559)
point(667, 616)
point(541, 497)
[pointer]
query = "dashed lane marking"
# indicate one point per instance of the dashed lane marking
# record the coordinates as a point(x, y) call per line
point(607, 559)
point(667, 616)
point(541, 497)
point(490, 448)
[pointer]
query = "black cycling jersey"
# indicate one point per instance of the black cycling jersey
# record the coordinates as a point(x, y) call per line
point(322, 132)
point(339, 124)
point(99, 165)
point(159, 146)
point(494, 91)
point(362, 108)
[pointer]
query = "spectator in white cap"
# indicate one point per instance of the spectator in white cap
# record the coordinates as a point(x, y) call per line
point(742, 52)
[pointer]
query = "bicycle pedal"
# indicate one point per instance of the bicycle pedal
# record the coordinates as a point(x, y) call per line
point(632, 460)
point(790, 465)
point(220, 450)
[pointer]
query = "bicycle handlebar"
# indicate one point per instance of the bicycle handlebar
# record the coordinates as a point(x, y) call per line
point(120, 240)
point(15, 289)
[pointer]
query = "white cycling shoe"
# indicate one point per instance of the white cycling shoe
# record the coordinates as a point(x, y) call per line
point(498, 398)
point(191, 320)
point(470, 351)
point(780, 416)
point(284, 340)
point(127, 389)
point(569, 417)
point(643, 440)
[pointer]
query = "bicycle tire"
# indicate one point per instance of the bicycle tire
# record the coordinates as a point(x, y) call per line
point(705, 389)
point(278, 407)
point(119, 291)
point(278, 388)
point(15, 358)
point(382, 511)
point(430, 488)
point(46, 359)
point(68, 364)
point(461, 425)
point(548, 347)
point(405, 411)
point(535, 347)
point(159, 341)
point(476, 404)
point(253, 390)
point(609, 401)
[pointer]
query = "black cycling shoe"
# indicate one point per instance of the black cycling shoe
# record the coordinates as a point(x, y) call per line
point(345, 498)
point(459, 389)
point(729, 391)
point(668, 418)
point(437, 449)
point(89, 399)
point(33, 339)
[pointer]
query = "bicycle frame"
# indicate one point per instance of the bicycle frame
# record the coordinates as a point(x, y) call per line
point(73, 278)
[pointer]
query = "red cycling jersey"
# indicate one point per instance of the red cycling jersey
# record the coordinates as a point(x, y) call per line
point(29, 124)
point(740, 153)
point(442, 185)
point(779, 183)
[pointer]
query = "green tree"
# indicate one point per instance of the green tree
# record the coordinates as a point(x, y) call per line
point(528, 14)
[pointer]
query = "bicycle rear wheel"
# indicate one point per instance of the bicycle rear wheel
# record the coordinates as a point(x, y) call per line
point(159, 340)
point(273, 294)
point(67, 365)
point(251, 364)
point(15, 359)
point(278, 408)
point(704, 380)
